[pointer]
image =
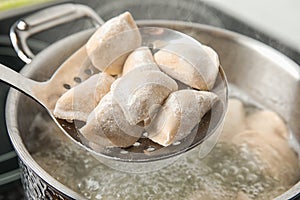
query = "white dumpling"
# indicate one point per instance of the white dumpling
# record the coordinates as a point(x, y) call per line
point(110, 45)
point(181, 112)
point(106, 126)
point(235, 120)
point(212, 55)
point(139, 92)
point(268, 138)
point(269, 122)
point(141, 57)
point(194, 65)
point(103, 86)
point(276, 157)
point(78, 102)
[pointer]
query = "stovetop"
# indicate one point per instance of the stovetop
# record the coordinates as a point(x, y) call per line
point(184, 10)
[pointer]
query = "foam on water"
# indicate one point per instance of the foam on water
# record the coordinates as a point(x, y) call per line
point(226, 172)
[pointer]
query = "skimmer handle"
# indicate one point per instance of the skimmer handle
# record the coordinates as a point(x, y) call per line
point(46, 19)
point(17, 80)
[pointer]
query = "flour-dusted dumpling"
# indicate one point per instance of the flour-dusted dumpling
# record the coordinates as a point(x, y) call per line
point(277, 159)
point(195, 65)
point(78, 102)
point(139, 92)
point(181, 112)
point(268, 138)
point(235, 120)
point(106, 126)
point(103, 86)
point(269, 122)
point(141, 57)
point(110, 45)
point(212, 55)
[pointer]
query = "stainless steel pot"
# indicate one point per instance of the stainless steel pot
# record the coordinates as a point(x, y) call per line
point(264, 74)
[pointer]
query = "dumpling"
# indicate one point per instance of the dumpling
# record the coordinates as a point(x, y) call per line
point(194, 65)
point(276, 157)
point(141, 57)
point(267, 137)
point(212, 55)
point(103, 86)
point(110, 45)
point(235, 120)
point(269, 122)
point(106, 126)
point(139, 92)
point(78, 102)
point(181, 112)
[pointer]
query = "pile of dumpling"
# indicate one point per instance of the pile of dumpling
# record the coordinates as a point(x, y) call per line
point(136, 91)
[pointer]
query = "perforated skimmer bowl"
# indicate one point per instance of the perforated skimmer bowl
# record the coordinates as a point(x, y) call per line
point(145, 155)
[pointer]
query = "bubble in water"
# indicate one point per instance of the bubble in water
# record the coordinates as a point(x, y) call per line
point(224, 172)
point(252, 165)
point(98, 196)
point(92, 185)
point(87, 195)
point(240, 178)
point(251, 178)
point(233, 170)
point(219, 176)
point(244, 170)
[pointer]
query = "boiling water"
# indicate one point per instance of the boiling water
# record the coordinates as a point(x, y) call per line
point(226, 172)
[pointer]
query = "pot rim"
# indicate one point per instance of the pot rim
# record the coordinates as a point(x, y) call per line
point(14, 95)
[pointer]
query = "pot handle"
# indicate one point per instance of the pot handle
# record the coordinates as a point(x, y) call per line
point(46, 19)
